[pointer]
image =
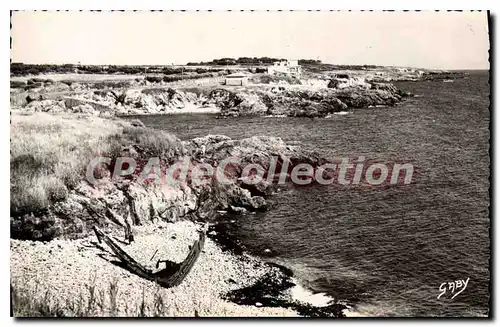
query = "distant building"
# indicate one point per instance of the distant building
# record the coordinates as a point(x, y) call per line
point(287, 67)
point(237, 79)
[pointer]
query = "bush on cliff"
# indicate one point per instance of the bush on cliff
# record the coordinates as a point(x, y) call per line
point(17, 84)
point(49, 153)
point(153, 79)
point(151, 142)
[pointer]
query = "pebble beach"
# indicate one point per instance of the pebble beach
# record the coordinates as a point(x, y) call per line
point(64, 271)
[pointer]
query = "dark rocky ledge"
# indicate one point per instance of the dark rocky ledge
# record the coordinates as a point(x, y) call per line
point(271, 289)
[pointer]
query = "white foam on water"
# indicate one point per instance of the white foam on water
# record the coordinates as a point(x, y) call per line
point(302, 294)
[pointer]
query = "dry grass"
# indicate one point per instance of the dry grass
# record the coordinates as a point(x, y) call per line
point(50, 153)
point(18, 98)
point(92, 302)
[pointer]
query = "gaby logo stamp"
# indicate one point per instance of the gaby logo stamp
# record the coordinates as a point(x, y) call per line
point(453, 288)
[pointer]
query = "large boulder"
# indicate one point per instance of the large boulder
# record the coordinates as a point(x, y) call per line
point(223, 99)
point(305, 103)
point(333, 84)
point(76, 104)
point(252, 104)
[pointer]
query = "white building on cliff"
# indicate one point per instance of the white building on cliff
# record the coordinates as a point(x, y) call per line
point(287, 67)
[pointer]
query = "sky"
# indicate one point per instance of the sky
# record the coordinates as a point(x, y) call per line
point(442, 40)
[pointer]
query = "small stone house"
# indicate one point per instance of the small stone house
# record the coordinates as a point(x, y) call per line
point(237, 79)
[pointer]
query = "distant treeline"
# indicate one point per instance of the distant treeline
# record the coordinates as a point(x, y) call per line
point(20, 69)
point(249, 61)
point(356, 67)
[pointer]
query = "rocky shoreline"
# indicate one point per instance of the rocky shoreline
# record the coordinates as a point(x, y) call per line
point(273, 288)
point(296, 102)
point(309, 98)
point(60, 237)
point(318, 94)
point(264, 101)
point(222, 283)
point(126, 200)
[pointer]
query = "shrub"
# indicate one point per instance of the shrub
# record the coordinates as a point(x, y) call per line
point(171, 70)
point(152, 142)
point(153, 79)
point(17, 84)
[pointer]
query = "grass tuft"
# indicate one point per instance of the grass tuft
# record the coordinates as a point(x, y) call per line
point(27, 303)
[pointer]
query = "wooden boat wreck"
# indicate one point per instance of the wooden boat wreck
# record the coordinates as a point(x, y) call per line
point(171, 276)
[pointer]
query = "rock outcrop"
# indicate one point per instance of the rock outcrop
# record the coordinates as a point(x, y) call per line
point(112, 102)
point(304, 103)
point(318, 98)
point(54, 106)
point(120, 203)
point(376, 95)
point(146, 101)
point(282, 101)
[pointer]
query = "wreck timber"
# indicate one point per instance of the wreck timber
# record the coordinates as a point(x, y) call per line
point(171, 276)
